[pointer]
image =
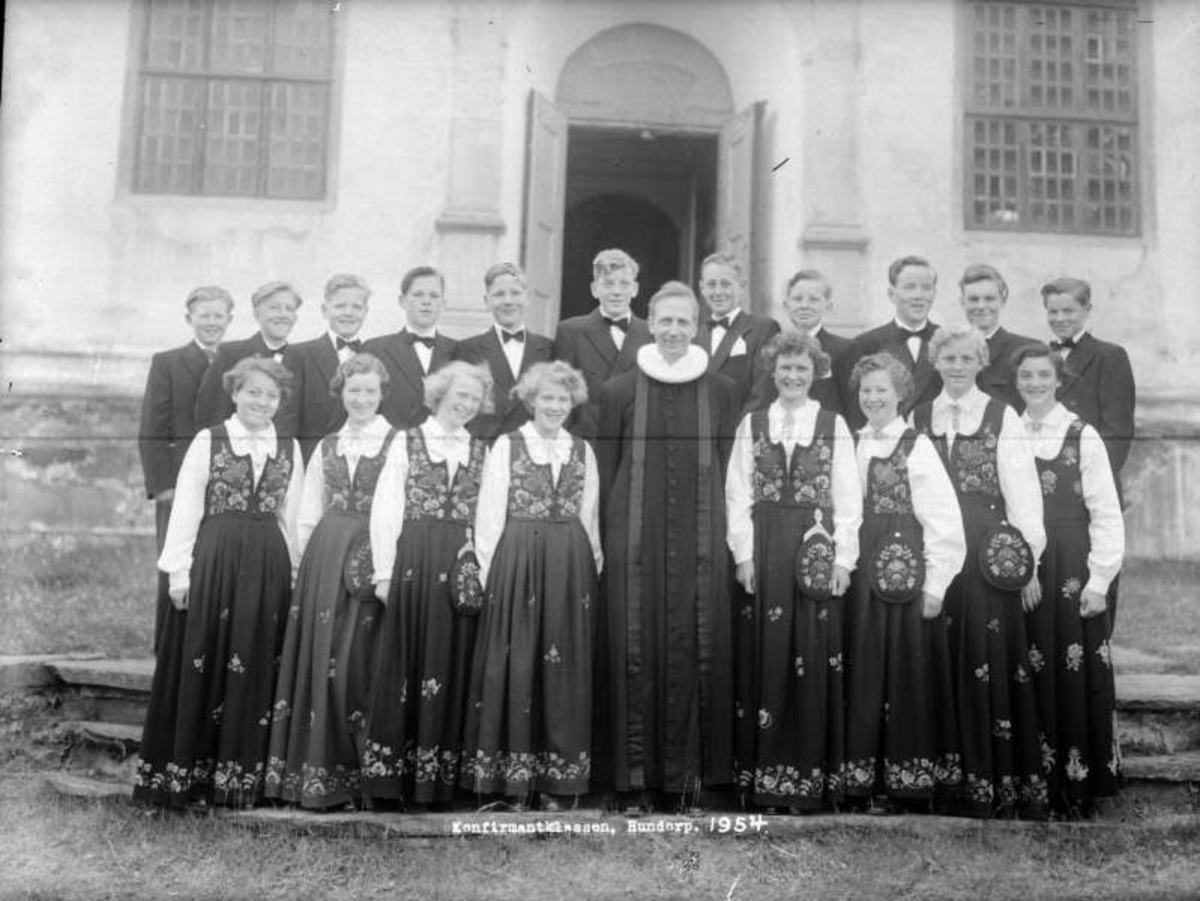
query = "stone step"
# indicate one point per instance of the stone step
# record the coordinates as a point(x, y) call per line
point(129, 675)
point(76, 786)
point(25, 672)
point(1182, 767)
point(1141, 691)
point(103, 732)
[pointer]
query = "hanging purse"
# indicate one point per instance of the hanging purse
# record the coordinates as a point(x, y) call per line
point(814, 562)
point(896, 569)
point(1005, 557)
point(466, 588)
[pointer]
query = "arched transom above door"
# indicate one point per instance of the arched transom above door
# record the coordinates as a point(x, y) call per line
point(640, 74)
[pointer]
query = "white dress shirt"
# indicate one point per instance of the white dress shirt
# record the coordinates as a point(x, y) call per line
point(192, 484)
point(933, 499)
point(353, 446)
point(1017, 473)
point(424, 353)
point(618, 335)
point(492, 513)
point(845, 491)
point(1106, 526)
point(912, 341)
point(718, 332)
point(514, 351)
point(387, 507)
point(344, 353)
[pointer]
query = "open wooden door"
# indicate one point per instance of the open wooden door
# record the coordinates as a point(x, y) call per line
point(545, 207)
point(737, 206)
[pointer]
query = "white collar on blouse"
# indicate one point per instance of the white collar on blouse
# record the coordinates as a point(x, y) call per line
point(969, 401)
point(687, 368)
point(1058, 417)
point(370, 438)
point(243, 437)
point(893, 429)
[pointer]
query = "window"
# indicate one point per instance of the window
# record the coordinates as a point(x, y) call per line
point(1051, 117)
point(233, 98)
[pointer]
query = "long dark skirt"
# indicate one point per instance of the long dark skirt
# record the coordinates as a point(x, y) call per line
point(789, 716)
point(1073, 675)
point(901, 729)
point(324, 676)
point(422, 666)
point(209, 718)
point(999, 729)
point(529, 716)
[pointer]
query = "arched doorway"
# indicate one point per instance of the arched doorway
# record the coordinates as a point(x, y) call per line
point(640, 149)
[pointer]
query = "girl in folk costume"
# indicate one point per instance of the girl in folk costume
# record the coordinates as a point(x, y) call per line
point(537, 537)
point(794, 510)
point(230, 554)
point(328, 647)
point(984, 447)
point(420, 527)
point(901, 728)
point(1068, 618)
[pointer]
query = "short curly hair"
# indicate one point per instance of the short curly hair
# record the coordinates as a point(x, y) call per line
point(1037, 351)
point(952, 334)
point(791, 343)
point(902, 380)
point(359, 364)
point(438, 383)
point(557, 373)
point(234, 378)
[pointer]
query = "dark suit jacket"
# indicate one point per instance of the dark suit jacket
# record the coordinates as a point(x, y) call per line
point(824, 390)
point(312, 412)
point(745, 369)
point(927, 384)
point(168, 414)
point(1098, 388)
point(214, 406)
point(404, 399)
point(586, 343)
point(996, 379)
point(510, 413)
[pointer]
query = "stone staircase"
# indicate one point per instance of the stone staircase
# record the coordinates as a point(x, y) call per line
point(100, 704)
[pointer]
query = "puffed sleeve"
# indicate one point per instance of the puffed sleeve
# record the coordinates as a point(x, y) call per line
point(387, 509)
point(1019, 482)
point(1106, 526)
point(739, 496)
point(492, 512)
point(936, 508)
point(847, 497)
point(186, 512)
point(289, 513)
point(312, 501)
point(589, 511)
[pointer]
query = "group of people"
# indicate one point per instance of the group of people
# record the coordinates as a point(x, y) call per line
point(686, 561)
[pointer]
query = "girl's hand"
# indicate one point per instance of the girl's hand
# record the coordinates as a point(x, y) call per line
point(1092, 603)
point(931, 607)
point(840, 581)
point(745, 575)
point(381, 589)
point(179, 598)
point(1031, 595)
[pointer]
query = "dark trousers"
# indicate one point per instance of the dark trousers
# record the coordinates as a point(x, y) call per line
point(162, 515)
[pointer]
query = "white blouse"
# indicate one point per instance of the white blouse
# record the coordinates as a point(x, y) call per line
point(934, 502)
point(187, 511)
point(1106, 526)
point(492, 513)
point(353, 445)
point(387, 506)
point(845, 489)
point(1019, 483)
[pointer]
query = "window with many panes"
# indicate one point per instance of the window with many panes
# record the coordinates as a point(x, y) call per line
point(233, 98)
point(1051, 117)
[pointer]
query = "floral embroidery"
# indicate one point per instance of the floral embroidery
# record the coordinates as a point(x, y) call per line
point(235, 665)
point(993, 626)
point(765, 719)
point(1049, 482)
point(1036, 659)
point(1048, 753)
point(1074, 656)
point(981, 673)
point(429, 494)
point(823, 615)
point(198, 663)
point(799, 662)
point(747, 611)
point(532, 492)
point(231, 487)
point(430, 687)
point(774, 614)
point(973, 457)
point(781, 780)
point(1021, 675)
point(1104, 652)
point(835, 662)
point(1077, 770)
point(552, 655)
point(809, 481)
point(508, 770)
point(346, 495)
point(738, 711)
point(1071, 587)
point(1003, 729)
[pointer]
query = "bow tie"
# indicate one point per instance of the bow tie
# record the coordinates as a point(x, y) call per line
point(209, 353)
point(413, 338)
point(513, 336)
point(722, 322)
point(923, 333)
point(354, 344)
point(622, 324)
point(1068, 344)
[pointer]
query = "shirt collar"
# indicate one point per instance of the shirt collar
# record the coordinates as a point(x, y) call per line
point(207, 350)
point(376, 428)
point(990, 335)
point(815, 331)
point(243, 436)
point(909, 329)
point(728, 317)
point(421, 333)
point(687, 368)
point(274, 348)
point(433, 429)
point(333, 338)
point(973, 398)
point(501, 331)
point(1058, 416)
point(893, 429)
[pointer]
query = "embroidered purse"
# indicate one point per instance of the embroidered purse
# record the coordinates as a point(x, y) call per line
point(896, 570)
point(814, 562)
point(466, 589)
point(359, 567)
point(1005, 558)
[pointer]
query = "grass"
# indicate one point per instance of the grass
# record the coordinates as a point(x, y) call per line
point(64, 593)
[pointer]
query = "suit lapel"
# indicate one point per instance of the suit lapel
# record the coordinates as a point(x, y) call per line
point(406, 361)
point(327, 360)
point(194, 360)
point(1078, 360)
point(601, 338)
point(740, 327)
point(493, 352)
point(443, 353)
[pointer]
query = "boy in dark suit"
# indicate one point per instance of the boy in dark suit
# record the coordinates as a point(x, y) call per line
point(730, 336)
point(1098, 385)
point(416, 350)
point(605, 342)
point(275, 305)
point(984, 294)
point(912, 287)
point(808, 300)
point(508, 348)
point(311, 411)
point(168, 412)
